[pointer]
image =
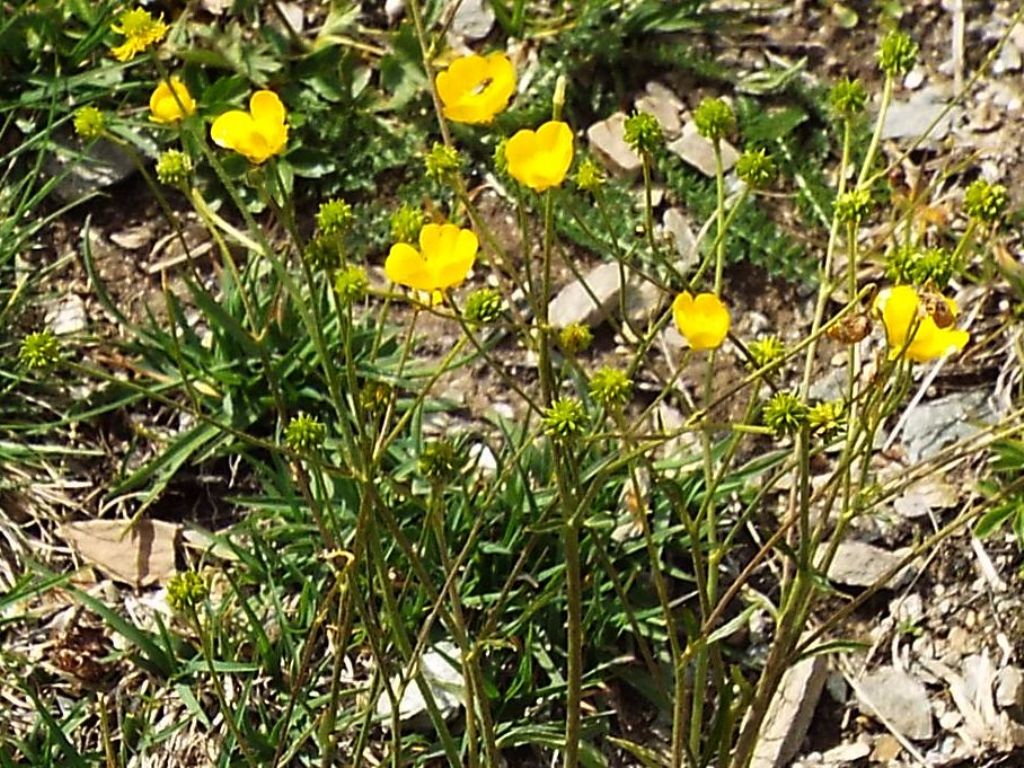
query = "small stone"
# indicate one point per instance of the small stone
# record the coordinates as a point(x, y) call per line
point(924, 495)
point(1010, 59)
point(293, 15)
point(473, 20)
point(900, 699)
point(677, 225)
point(910, 119)
point(1010, 687)
point(790, 713)
point(587, 300)
point(858, 564)
point(908, 610)
point(68, 317)
point(914, 78)
point(846, 753)
point(133, 238)
point(931, 426)
point(608, 143)
point(394, 10)
point(950, 720)
point(482, 457)
point(699, 152)
point(665, 106)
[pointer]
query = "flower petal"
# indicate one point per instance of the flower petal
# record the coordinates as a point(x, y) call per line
point(231, 127)
point(405, 266)
point(266, 108)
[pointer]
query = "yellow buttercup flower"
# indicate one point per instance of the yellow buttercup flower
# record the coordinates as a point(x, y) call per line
point(140, 31)
point(171, 102)
point(257, 134)
point(540, 159)
point(919, 326)
point(475, 88)
point(446, 255)
point(703, 319)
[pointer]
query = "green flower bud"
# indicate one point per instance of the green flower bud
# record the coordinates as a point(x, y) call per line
point(765, 351)
point(89, 123)
point(852, 207)
point(39, 350)
point(565, 419)
point(406, 224)
point(351, 284)
point(897, 53)
point(610, 388)
point(756, 168)
point(440, 461)
point(305, 434)
point(174, 168)
point(985, 202)
point(643, 133)
point(784, 414)
point(715, 119)
point(442, 162)
point(917, 266)
point(186, 590)
point(847, 98)
point(375, 396)
point(589, 177)
point(334, 218)
point(826, 418)
point(483, 307)
point(323, 253)
point(575, 338)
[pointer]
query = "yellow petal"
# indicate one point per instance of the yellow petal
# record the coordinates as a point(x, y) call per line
point(540, 159)
point(704, 321)
point(170, 103)
point(405, 266)
point(231, 127)
point(460, 254)
point(266, 108)
point(899, 308)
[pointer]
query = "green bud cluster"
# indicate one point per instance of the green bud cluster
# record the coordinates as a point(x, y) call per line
point(442, 162)
point(440, 461)
point(765, 351)
point(826, 418)
point(174, 168)
point(715, 119)
point(89, 123)
point(853, 207)
point(565, 419)
point(984, 201)
point(186, 590)
point(483, 306)
point(323, 253)
point(784, 413)
point(39, 350)
point(589, 177)
point(334, 218)
point(756, 167)
point(897, 53)
point(643, 133)
point(406, 224)
point(305, 433)
point(920, 266)
point(847, 98)
point(611, 388)
point(575, 338)
point(351, 284)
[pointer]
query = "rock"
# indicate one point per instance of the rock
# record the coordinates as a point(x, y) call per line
point(677, 225)
point(140, 554)
point(1010, 59)
point(665, 106)
point(910, 119)
point(394, 10)
point(473, 20)
point(1010, 687)
point(790, 712)
point(699, 152)
point(846, 753)
point(931, 426)
point(607, 140)
point(587, 300)
point(68, 316)
point(643, 301)
point(445, 682)
point(133, 238)
point(292, 13)
point(925, 495)
point(858, 564)
point(83, 170)
point(914, 78)
point(898, 698)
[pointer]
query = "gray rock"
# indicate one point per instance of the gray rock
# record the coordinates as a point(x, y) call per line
point(900, 699)
point(699, 152)
point(790, 713)
point(931, 426)
point(858, 564)
point(444, 681)
point(608, 143)
point(911, 119)
point(473, 20)
point(677, 225)
point(1010, 687)
point(394, 9)
point(68, 316)
point(665, 106)
point(587, 300)
point(84, 170)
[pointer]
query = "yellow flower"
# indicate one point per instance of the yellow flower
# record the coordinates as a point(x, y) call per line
point(919, 327)
point(540, 159)
point(140, 31)
point(259, 133)
point(703, 320)
point(445, 257)
point(171, 102)
point(475, 88)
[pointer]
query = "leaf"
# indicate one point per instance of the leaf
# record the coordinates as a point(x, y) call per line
point(139, 555)
point(994, 519)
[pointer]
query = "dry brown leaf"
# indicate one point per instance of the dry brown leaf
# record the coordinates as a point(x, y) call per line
point(139, 555)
